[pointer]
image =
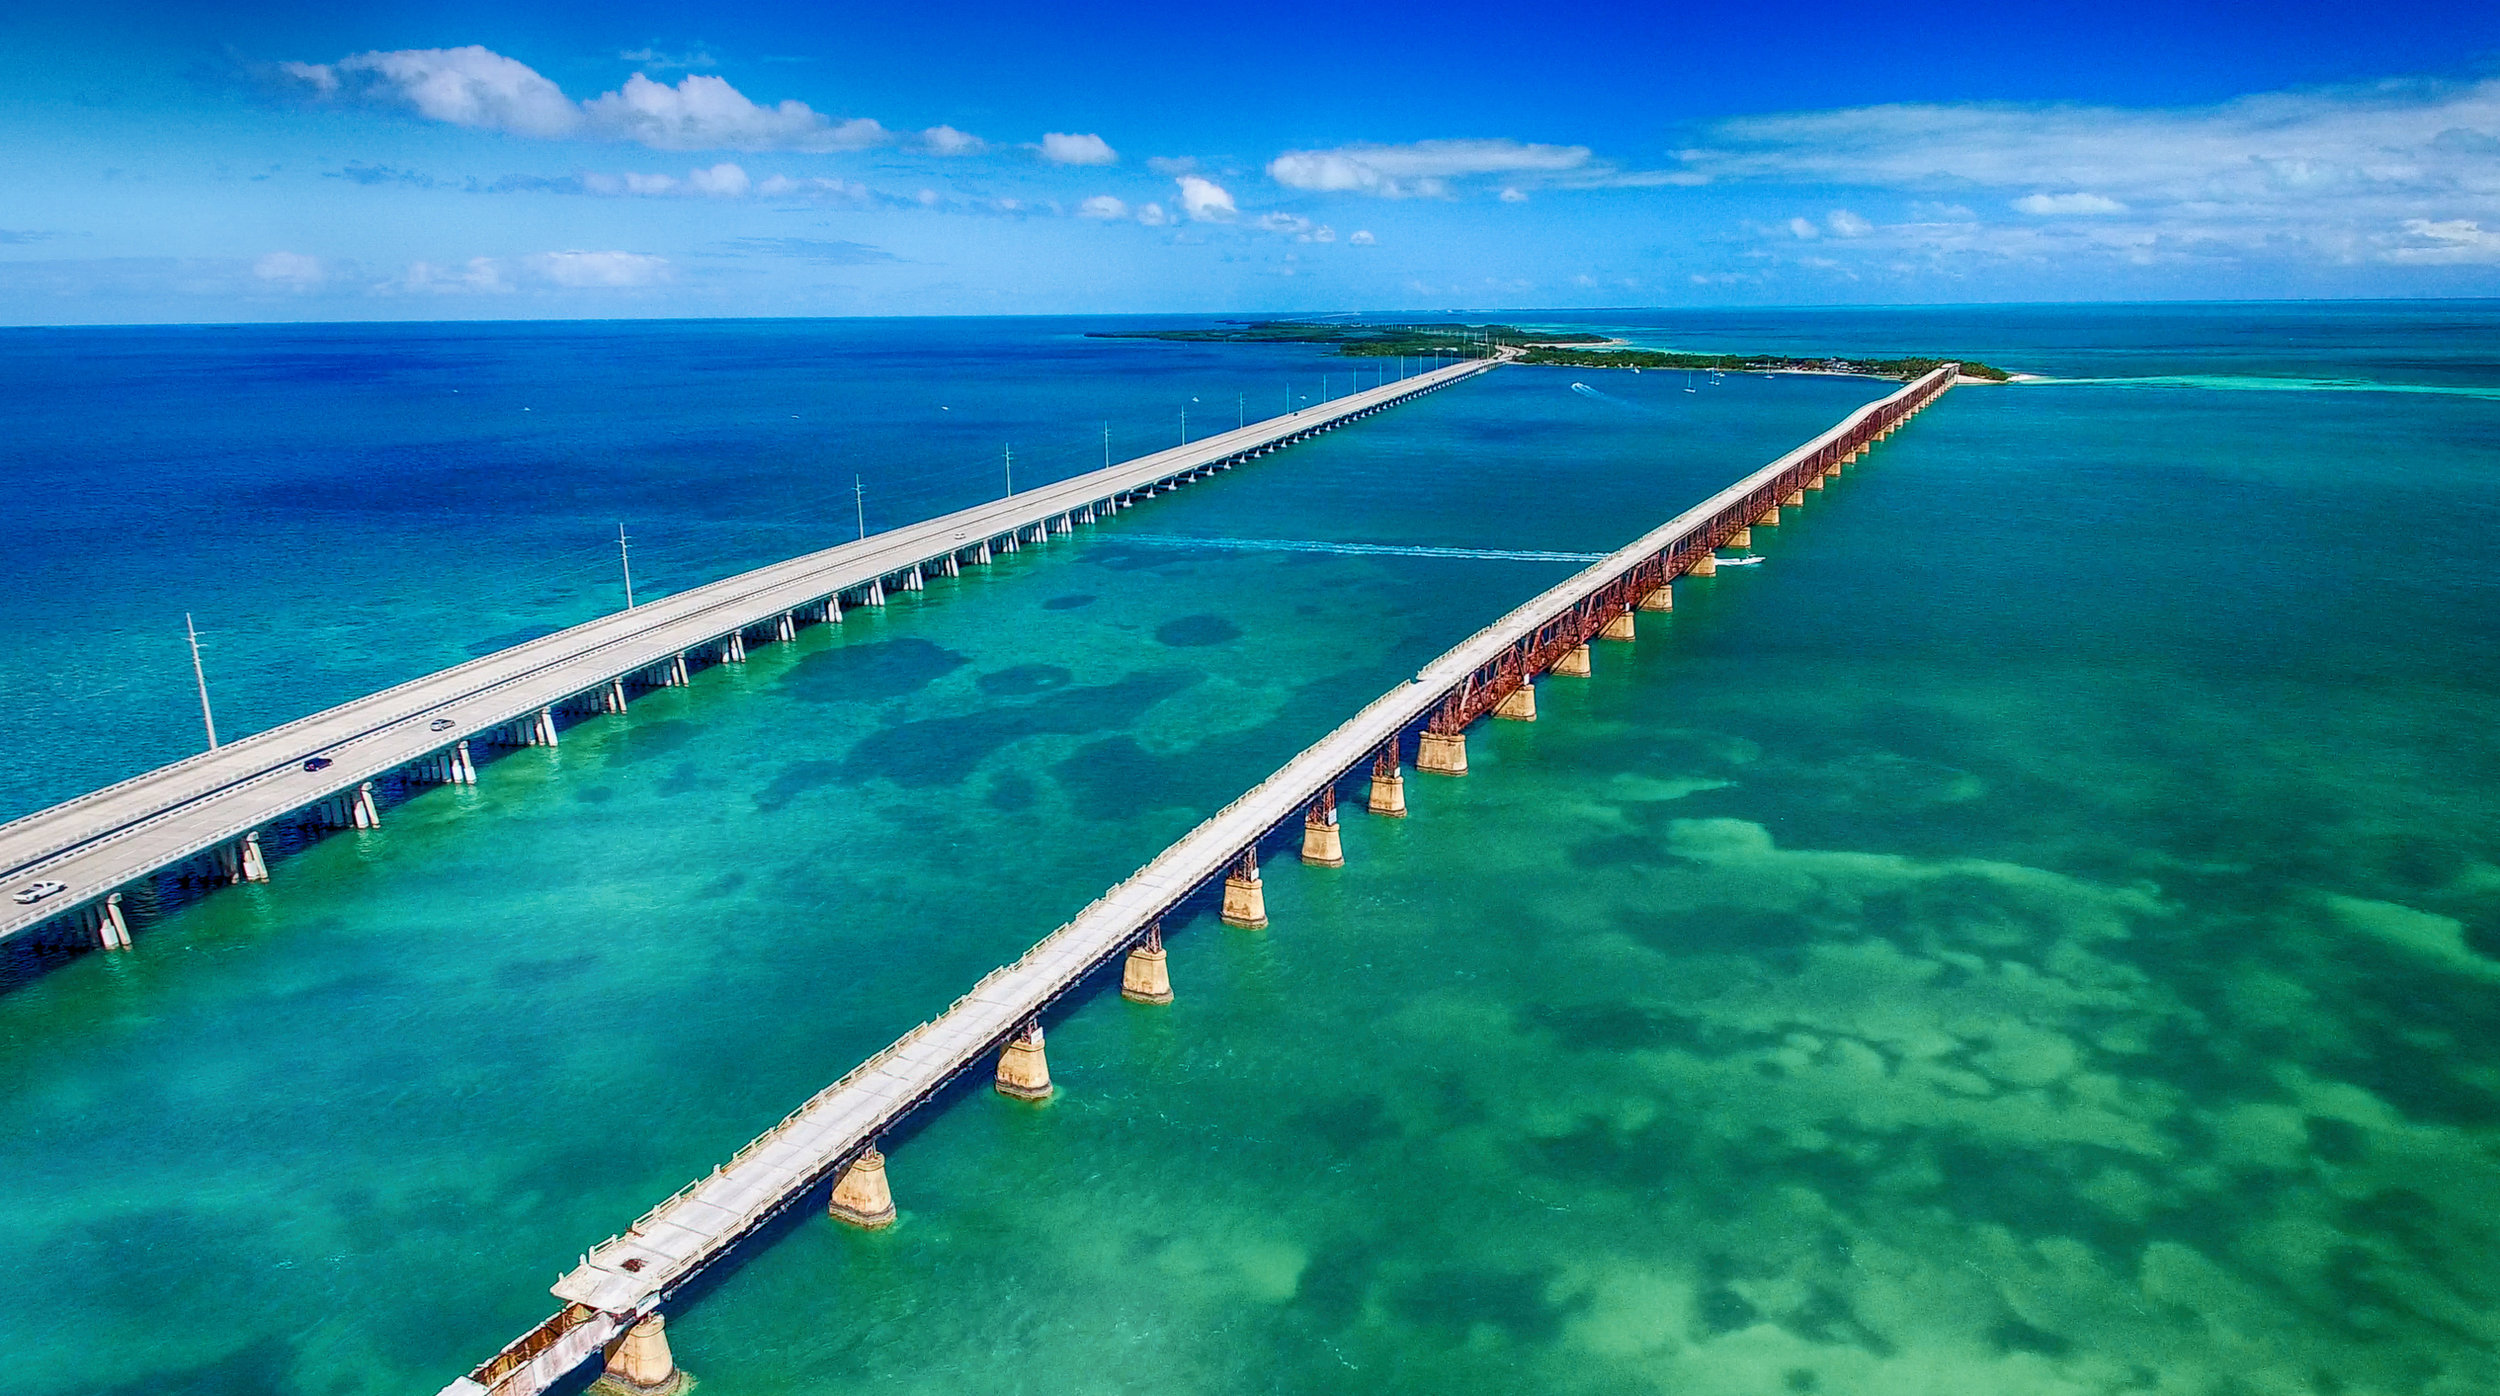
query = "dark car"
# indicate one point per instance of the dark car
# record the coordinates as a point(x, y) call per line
point(318, 763)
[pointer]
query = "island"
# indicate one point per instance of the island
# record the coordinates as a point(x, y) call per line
point(1561, 350)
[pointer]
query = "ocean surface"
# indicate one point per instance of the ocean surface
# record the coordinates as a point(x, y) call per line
point(2040, 933)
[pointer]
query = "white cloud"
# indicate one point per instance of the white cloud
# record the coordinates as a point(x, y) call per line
point(1803, 229)
point(1844, 224)
point(722, 181)
point(292, 270)
point(1174, 165)
point(2447, 240)
point(1102, 206)
point(1421, 169)
point(470, 86)
point(1152, 215)
point(600, 269)
point(477, 87)
point(946, 140)
point(1063, 149)
point(1362, 238)
point(814, 186)
point(477, 275)
point(2053, 204)
point(1513, 194)
point(1205, 201)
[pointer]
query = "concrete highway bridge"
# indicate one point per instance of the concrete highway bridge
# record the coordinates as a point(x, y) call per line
point(826, 1150)
point(206, 820)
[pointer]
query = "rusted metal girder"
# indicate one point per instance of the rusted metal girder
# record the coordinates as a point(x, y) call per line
point(1482, 690)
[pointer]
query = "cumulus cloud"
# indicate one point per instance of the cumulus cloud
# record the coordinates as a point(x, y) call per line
point(1362, 238)
point(1844, 224)
point(1513, 194)
point(946, 140)
point(600, 269)
point(477, 87)
point(477, 275)
point(1064, 149)
point(293, 270)
point(1205, 201)
point(2053, 204)
point(1102, 206)
point(1422, 169)
point(2446, 240)
point(722, 181)
point(1153, 215)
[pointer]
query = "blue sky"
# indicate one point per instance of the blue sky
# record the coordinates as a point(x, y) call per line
point(524, 160)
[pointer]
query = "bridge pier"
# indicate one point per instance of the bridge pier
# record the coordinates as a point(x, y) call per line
point(912, 580)
point(640, 1364)
point(1796, 498)
point(1245, 900)
point(1770, 518)
point(363, 812)
point(862, 1197)
point(1442, 753)
point(787, 628)
point(876, 592)
point(952, 567)
point(733, 648)
point(251, 865)
point(1659, 598)
point(1518, 705)
point(1574, 663)
point(833, 610)
point(545, 733)
point(1146, 978)
point(1011, 545)
point(612, 698)
point(1388, 784)
point(112, 932)
point(1323, 846)
point(677, 675)
point(1063, 524)
point(463, 769)
point(1741, 538)
point(1023, 1068)
point(1619, 626)
point(1706, 565)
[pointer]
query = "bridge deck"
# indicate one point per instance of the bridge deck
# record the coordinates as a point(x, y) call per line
point(631, 1273)
point(116, 836)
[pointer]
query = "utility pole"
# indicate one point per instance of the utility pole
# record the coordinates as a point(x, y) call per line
point(1106, 445)
point(1241, 410)
point(1184, 426)
point(859, 497)
point(626, 560)
point(207, 719)
point(1011, 469)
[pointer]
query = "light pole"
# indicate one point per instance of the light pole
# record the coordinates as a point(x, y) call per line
point(1011, 469)
point(207, 719)
point(859, 497)
point(625, 560)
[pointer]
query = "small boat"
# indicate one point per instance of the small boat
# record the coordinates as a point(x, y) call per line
point(1748, 560)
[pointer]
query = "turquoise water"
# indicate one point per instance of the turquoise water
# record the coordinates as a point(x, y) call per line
point(2036, 935)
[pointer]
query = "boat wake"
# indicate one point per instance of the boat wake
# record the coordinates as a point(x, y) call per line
point(1296, 545)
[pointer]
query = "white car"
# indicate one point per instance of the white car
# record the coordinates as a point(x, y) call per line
point(34, 892)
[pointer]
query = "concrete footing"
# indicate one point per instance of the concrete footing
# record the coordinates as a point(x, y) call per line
point(1814, 482)
point(1023, 1068)
point(1245, 900)
point(862, 1197)
point(641, 1365)
point(1146, 978)
point(1518, 705)
point(1707, 565)
point(1322, 845)
point(1741, 538)
point(1442, 753)
point(1796, 499)
point(1388, 794)
point(1619, 626)
point(1574, 663)
point(1661, 599)
point(1770, 518)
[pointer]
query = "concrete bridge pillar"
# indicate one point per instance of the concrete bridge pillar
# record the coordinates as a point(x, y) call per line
point(1145, 978)
point(677, 675)
point(1442, 753)
point(1796, 498)
point(253, 864)
point(545, 735)
point(912, 580)
point(1741, 538)
point(1085, 515)
point(876, 592)
point(1323, 845)
point(1518, 705)
point(862, 1197)
point(364, 813)
point(1011, 545)
point(1618, 627)
point(1574, 663)
point(463, 769)
point(952, 567)
point(1040, 534)
point(1770, 518)
point(640, 1364)
point(111, 931)
point(1659, 598)
point(788, 627)
point(833, 610)
point(1388, 784)
point(1245, 900)
point(1815, 482)
point(733, 649)
point(613, 700)
point(1706, 565)
point(1023, 1069)
point(1063, 524)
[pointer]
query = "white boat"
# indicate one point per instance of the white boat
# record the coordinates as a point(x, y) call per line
point(1748, 560)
